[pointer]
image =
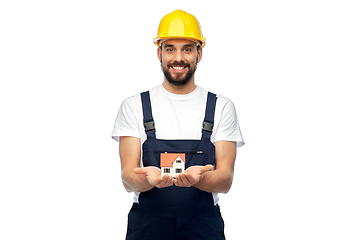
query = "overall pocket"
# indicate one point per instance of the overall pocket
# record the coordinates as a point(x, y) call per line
point(192, 157)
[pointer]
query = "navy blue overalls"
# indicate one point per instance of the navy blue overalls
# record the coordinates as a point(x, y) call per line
point(176, 213)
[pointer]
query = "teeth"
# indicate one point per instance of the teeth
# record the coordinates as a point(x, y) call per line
point(178, 68)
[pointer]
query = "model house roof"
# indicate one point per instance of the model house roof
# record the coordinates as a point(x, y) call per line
point(167, 159)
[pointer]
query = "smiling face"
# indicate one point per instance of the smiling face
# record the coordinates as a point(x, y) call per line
point(179, 58)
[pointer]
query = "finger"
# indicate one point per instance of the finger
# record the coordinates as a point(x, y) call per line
point(169, 182)
point(178, 182)
point(164, 181)
point(140, 171)
point(191, 179)
point(184, 181)
point(206, 168)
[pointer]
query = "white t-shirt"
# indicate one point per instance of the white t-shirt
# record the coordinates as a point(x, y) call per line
point(178, 117)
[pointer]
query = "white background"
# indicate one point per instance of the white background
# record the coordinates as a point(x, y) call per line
point(290, 67)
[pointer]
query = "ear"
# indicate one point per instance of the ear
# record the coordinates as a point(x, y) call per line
point(159, 53)
point(199, 52)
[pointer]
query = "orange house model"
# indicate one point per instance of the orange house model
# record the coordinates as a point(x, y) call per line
point(172, 163)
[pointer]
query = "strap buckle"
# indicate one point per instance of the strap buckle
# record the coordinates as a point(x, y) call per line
point(149, 126)
point(207, 126)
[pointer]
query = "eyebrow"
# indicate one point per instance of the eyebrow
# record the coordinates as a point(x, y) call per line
point(185, 46)
point(188, 45)
point(168, 45)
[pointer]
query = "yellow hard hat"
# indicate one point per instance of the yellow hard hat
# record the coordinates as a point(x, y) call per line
point(179, 24)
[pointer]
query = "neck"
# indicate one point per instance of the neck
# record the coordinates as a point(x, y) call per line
point(185, 89)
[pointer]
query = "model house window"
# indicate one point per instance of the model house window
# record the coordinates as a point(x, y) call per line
point(178, 161)
point(178, 170)
point(166, 170)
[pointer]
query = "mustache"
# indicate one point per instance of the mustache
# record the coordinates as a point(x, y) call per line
point(178, 64)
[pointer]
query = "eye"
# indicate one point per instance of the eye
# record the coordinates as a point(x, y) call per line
point(187, 50)
point(170, 50)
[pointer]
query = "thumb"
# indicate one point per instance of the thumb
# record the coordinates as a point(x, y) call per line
point(140, 171)
point(206, 168)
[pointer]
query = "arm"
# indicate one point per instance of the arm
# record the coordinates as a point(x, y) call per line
point(130, 151)
point(220, 180)
point(217, 181)
point(137, 179)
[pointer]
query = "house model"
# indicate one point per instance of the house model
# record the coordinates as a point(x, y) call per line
point(172, 163)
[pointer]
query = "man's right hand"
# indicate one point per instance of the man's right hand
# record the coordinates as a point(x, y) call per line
point(153, 175)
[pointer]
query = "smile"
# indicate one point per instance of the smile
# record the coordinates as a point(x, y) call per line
point(178, 69)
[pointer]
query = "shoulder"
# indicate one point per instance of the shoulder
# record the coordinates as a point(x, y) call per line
point(220, 98)
point(224, 102)
point(131, 102)
point(134, 103)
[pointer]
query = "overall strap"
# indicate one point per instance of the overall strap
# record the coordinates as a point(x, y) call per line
point(208, 123)
point(149, 123)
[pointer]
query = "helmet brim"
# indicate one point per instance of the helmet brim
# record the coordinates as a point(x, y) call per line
point(158, 41)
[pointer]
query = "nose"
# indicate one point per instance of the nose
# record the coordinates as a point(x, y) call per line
point(178, 56)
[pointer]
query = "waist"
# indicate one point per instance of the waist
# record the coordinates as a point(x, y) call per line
point(164, 211)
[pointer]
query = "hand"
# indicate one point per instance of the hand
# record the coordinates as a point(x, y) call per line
point(191, 176)
point(153, 175)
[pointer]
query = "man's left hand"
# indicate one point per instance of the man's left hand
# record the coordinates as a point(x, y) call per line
point(191, 176)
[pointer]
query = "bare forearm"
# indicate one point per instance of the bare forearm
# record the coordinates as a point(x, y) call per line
point(130, 151)
point(217, 181)
point(135, 182)
point(220, 180)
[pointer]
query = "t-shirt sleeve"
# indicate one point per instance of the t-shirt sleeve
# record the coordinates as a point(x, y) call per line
point(228, 128)
point(126, 123)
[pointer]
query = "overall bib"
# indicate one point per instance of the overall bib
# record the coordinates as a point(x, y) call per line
point(176, 213)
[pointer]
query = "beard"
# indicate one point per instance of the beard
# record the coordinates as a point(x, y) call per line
point(179, 79)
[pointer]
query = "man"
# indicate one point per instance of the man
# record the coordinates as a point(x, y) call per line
point(177, 124)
